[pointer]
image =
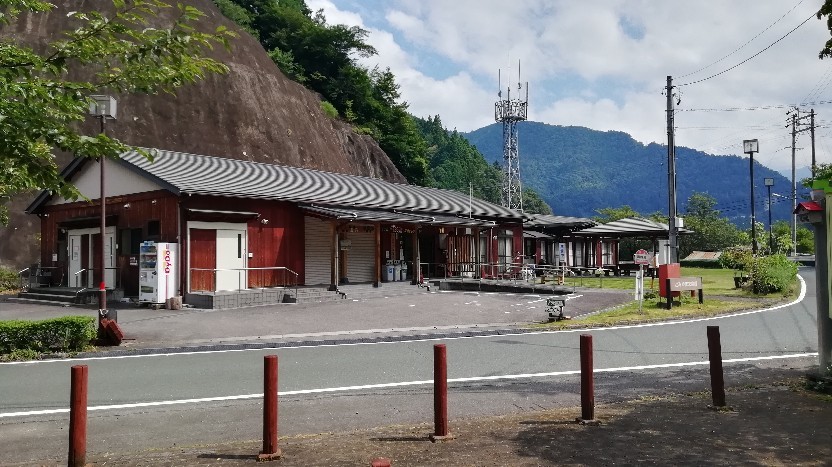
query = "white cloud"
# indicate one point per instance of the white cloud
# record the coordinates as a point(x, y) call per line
point(603, 64)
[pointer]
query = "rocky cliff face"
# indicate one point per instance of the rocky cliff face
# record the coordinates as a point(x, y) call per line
point(253, 112)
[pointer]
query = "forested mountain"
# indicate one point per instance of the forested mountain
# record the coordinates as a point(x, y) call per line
point(577, 171)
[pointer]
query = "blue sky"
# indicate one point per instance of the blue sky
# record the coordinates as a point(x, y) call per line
point(603, 64)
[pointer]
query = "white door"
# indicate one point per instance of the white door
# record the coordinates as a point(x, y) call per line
point(81, 241)
point(76, 277)
point(231, 254)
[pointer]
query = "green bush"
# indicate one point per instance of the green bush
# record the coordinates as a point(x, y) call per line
point(8, 280)
point(736, 258)
point(773, 273)
point(329, 109)
point(66, 334)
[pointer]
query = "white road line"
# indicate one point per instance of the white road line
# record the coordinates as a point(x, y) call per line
point(799, 299)
point(402, 384)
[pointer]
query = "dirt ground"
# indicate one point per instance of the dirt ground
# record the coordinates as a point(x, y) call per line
point(778, 423)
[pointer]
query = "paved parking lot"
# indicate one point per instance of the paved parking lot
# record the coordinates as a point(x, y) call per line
point(422, 313)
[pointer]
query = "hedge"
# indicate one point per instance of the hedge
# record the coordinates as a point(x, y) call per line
point(8, 279)
point(65, 334)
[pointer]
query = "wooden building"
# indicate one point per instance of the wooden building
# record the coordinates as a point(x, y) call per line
point(246, 225)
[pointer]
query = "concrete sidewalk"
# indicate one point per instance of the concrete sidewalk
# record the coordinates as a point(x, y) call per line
point(424, 314)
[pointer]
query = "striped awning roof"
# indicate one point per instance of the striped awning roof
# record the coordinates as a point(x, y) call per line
point(536, 235)
point(538, 221)
point(205, 175)
point(392, 216)
point(629, 227)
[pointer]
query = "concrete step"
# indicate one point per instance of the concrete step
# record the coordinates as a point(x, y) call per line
point(47, 297)
point(39, 302)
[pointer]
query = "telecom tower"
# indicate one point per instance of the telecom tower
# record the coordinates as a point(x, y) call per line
point(510, 111)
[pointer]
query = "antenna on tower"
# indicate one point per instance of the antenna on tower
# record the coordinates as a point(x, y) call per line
point(509, 111)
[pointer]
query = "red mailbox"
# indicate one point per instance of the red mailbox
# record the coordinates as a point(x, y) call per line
point(667, 271)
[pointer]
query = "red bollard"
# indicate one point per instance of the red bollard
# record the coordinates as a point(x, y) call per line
point(380, 462)
point(715, 357)
point(587, 381)
point(270, 450)
point(78, 417)
point(440, 394)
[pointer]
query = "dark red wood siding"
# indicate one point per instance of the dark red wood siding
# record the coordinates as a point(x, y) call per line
point(126, 211)
point(277, 243)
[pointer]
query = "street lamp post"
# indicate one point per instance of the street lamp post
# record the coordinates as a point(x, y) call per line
point(103, 108)
point(750, 146)
point(769, 182)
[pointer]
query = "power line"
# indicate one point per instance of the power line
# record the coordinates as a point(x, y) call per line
point(757, 107)
point(743, 46)
point(751, 57)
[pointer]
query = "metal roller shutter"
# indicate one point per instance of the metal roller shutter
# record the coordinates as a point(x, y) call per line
point(317, 251)
point(361, 257)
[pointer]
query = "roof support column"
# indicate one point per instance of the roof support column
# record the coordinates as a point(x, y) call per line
point(333, 257)
point(377, 278)
point(478, 274)
point(417, 268)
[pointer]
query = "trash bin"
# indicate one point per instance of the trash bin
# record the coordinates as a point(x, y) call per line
point(403, 272)
point(397, 270)
point(389, 271)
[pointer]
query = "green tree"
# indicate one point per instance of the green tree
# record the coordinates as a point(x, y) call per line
point(710, 231)
point(323, 57)
point(607, 215)
point(125, 52)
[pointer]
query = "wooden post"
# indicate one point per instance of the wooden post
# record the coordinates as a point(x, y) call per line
point(440, 394)
point(587, 381)
point(377, 274)
point(715, 358)
point(77, 456)
point(270, 450)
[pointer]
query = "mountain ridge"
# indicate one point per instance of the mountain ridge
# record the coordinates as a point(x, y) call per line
point(578, 170)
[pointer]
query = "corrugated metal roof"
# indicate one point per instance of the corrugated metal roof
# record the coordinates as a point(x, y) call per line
point(547, 220)
point(629, 227)
point(205, 175)
point(392, 216)
point(533, 234)
point(703, 256)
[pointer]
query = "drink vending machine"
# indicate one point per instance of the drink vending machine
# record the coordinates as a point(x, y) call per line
point(158, 277)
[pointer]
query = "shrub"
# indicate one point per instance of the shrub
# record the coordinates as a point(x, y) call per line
point(329, 109)
point(66, 334)
point(773, 273)
point(8, 280)
point(736, 258)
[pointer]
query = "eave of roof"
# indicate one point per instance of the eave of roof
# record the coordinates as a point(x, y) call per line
point(629, 227)
point(213, 176)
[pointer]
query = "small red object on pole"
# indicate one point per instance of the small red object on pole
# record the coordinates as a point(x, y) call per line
point(440, 394)
point(78, 417)
point(715, 358)
point(587, 382)
point(270, 450)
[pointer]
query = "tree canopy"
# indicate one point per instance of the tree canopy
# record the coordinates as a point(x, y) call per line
point(127, 52)
point(324, 58)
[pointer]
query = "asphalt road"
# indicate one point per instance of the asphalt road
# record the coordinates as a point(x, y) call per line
point(184, 399)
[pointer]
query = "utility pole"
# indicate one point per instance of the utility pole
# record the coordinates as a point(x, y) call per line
point(795, 114)
point(671, 178)
point(812, 133)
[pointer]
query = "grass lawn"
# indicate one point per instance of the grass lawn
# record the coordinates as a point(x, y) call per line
point(715, 282)
point(719, 292)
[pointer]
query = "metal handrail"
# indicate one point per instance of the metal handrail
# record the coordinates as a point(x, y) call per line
point(116, 277)
point(23, 286)
point(239, 276)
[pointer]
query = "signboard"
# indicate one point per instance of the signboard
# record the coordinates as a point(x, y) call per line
point(641, 257)
point(678, 284)
point(562, 251)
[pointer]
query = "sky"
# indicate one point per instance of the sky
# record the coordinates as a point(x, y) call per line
point(603, 64)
